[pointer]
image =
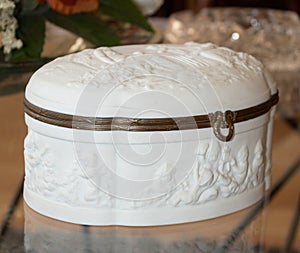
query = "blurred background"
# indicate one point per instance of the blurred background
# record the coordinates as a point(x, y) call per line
point(171, 6)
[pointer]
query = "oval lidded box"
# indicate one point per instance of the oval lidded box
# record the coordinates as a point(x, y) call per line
point(148, 134)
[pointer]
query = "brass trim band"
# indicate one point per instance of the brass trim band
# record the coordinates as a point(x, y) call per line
point(216, 120)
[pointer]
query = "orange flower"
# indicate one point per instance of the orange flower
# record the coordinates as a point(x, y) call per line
point(73, 6)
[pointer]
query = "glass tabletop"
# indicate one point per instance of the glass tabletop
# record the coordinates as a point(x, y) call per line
point(269, 226)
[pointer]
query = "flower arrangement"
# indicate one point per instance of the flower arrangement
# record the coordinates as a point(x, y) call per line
point(22, 23)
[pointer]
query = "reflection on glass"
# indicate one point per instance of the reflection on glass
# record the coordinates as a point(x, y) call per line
point(43, 234)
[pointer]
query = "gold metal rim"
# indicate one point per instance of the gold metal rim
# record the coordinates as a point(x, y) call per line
point(216, 120)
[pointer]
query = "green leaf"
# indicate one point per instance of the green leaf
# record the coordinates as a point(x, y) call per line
point(32, 32)
point(86, 25)
point(29, 5)
point(125, 10)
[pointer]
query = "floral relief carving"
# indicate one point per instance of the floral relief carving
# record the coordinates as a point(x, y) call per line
point(40, 170)
point(258, 165)
point(38, 165)
point(43, 177)
point(217, 173)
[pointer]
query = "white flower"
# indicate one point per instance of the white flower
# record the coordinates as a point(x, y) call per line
point(8, 26)
point(148, 7)
point(7, 4)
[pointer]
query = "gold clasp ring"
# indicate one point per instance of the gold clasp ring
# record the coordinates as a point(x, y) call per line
point(223, 120)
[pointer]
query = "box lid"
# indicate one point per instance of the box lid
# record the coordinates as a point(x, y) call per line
point(152, 82)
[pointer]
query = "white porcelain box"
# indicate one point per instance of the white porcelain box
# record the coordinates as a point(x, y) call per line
point(148, 134)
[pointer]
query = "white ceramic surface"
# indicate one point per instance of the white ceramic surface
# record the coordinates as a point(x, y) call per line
point(147, 178)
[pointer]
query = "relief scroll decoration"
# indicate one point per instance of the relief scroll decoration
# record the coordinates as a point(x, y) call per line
point(218, 173)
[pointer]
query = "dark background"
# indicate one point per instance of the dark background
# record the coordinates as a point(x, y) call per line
point(171, 6)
